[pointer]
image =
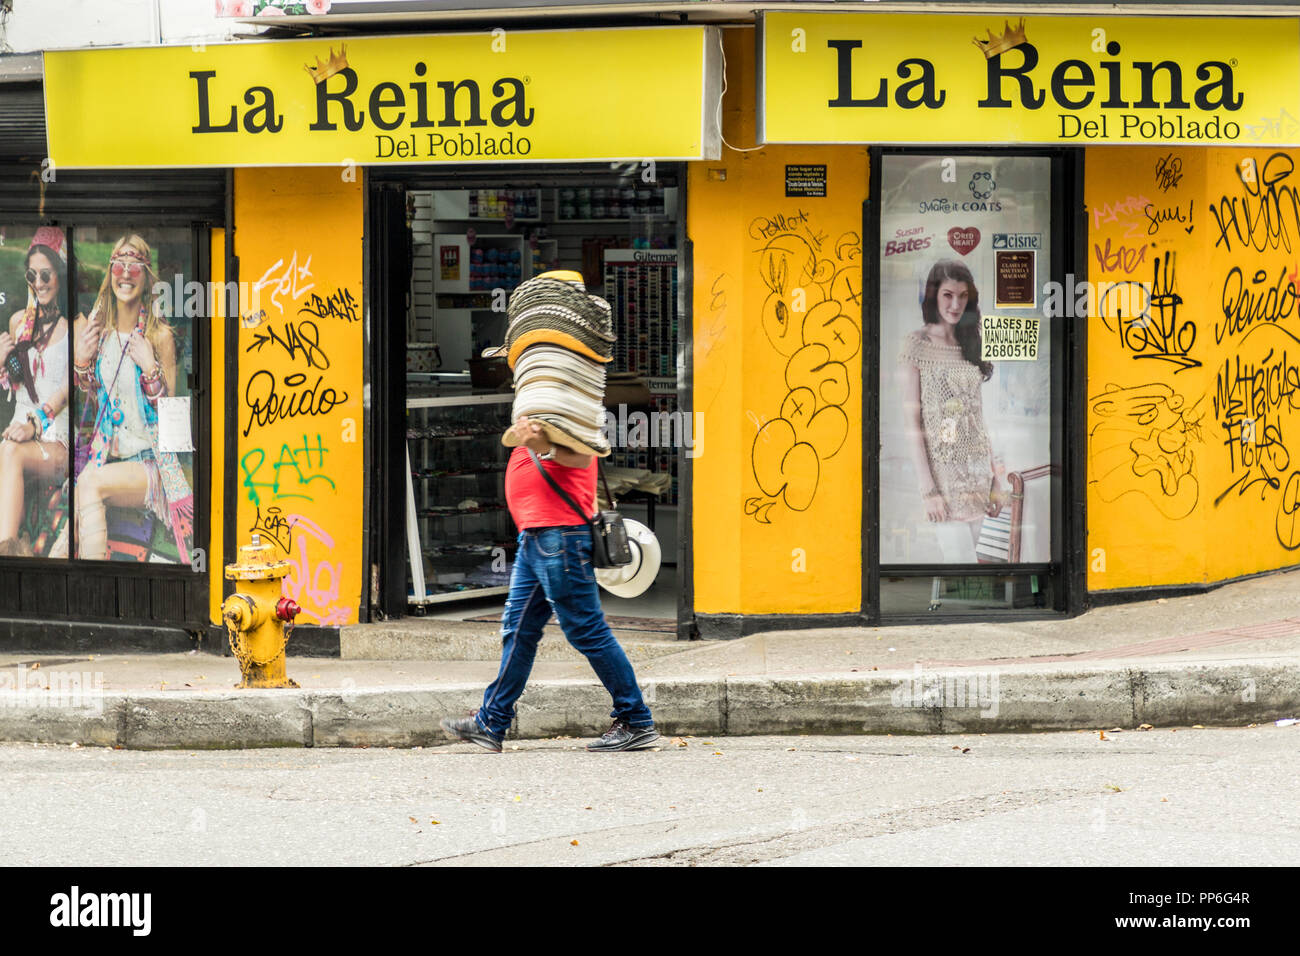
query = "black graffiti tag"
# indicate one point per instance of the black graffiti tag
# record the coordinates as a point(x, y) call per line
point(1264, 216)
point(266, 404)
point(1288, 513)
point(303, 337)
point(340, 305)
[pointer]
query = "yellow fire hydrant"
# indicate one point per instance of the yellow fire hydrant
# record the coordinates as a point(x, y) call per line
point(256, 618)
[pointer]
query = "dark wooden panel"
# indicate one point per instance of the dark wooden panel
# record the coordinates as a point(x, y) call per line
point(196, 599)
point(167, 598)
point(43, 592)
point(10, 591)
point(92, 595)
point(133, 599)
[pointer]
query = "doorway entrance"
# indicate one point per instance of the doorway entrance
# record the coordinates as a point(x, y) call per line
point(972, 490)
point(468, 238)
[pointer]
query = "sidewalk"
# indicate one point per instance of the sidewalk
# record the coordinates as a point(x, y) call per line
point(1229, 657)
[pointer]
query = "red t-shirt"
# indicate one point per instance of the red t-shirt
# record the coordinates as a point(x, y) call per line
point(534, 504)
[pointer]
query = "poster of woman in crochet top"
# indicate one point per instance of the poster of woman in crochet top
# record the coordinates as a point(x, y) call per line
point(965, 383)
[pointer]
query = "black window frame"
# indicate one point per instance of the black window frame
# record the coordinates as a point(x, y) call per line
point(1067, 571)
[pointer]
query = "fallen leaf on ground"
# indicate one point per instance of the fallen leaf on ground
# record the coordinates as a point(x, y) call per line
point(1117, 730)
point(965, 750)
point(1164, 799)
point(1101, 735)
point(586, 808)
point(36, 666)
point(1145, 727)
point(412, 819)
point(717, 753)
point(1198, 726)
point(789, 748)
point(573, 843)
point(850, 757)
point(435, 822)
point(679, 742)
point(1111, 786)
point(955, 747)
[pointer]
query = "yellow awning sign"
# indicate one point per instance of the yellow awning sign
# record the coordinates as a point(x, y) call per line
point(991, 79)
point(617, 94)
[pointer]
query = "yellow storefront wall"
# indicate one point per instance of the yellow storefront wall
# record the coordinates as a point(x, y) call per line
point(299, 470)
point(777, 325)
point(1193, 364)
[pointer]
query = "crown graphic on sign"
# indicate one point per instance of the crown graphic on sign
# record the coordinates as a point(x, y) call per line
point(323, 70)
point(1011, 37)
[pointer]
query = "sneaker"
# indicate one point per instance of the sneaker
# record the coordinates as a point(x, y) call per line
point(622, 736)
point(468, 730)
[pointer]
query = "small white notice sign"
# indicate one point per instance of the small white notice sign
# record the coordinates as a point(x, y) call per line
point(1008, 338)
point(174, 424)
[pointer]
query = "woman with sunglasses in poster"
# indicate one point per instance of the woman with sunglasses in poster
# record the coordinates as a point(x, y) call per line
point(943, 414)
point(34, 367)
point(125, 359)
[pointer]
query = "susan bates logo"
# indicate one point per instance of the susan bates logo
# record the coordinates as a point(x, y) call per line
point(908, 240)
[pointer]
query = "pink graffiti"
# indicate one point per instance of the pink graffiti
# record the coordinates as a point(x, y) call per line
point(316, 590)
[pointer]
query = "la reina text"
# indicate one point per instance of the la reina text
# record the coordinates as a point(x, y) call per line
point(1015, 79)
point(466, 118)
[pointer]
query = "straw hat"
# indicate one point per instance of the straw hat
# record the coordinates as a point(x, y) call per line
point(633, 579)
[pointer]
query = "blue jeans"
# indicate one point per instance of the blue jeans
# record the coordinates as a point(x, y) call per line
point(553, 572)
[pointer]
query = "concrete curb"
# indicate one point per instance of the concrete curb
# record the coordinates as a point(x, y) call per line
point(952, 700)
point(425, 640)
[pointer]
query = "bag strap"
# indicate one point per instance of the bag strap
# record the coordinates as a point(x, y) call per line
point(560, 491)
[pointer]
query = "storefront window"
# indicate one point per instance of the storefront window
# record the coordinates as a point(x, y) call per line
point(34, 384)
point(132, 362)
point(965, 367)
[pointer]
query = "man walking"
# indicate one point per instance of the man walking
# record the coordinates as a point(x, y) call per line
point(553, 571)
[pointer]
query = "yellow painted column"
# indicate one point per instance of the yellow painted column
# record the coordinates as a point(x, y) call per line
point(777, 324)
point(300, 466)
point(217, 435)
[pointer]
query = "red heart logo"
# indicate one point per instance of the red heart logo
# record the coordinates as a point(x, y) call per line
point(963, 240)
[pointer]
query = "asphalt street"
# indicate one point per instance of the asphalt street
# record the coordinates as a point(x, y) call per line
point(1165, 797)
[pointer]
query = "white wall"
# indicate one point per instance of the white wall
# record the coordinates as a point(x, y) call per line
point(60, 24)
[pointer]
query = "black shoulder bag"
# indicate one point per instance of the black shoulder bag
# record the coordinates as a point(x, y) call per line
point(609, 547)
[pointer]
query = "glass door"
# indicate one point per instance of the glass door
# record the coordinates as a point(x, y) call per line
point(968, 403)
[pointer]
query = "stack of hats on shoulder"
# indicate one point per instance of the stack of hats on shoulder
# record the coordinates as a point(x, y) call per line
point(558, 341)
